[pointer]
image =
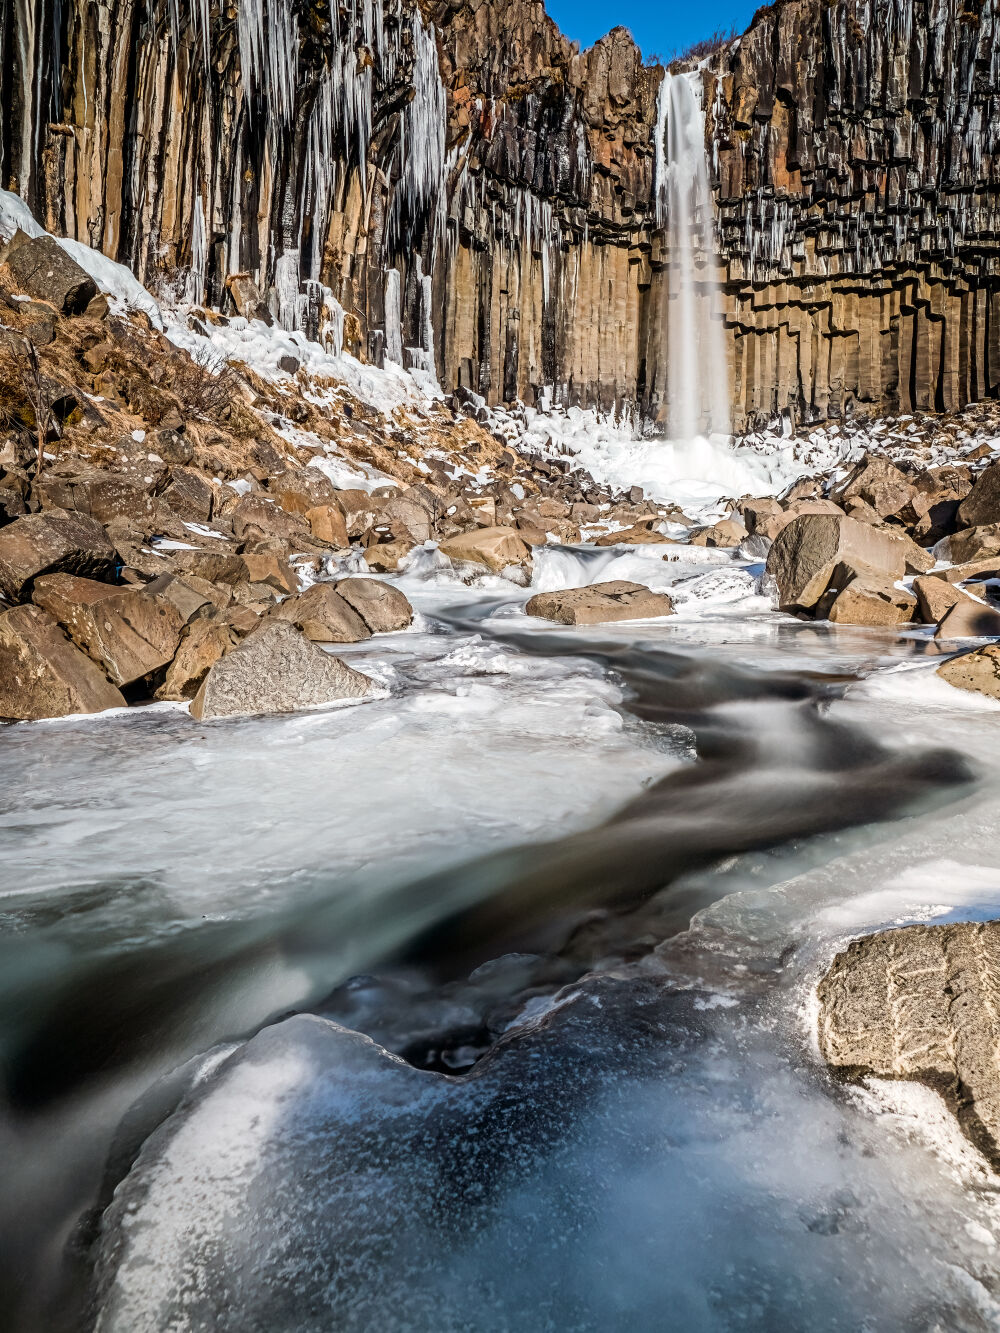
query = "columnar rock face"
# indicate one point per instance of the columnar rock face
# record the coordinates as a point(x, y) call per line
point(461, 189)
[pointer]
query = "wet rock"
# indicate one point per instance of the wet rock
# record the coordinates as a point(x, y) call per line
point(616, 600)
point(53, 542)
point(978, 672)
point(497, 549)
point(806, 553)
point(638, 535)
point(969, 619)
point(43, 269)
point(276, 670)
point(921, 1003)
point(201, 646)
point(42, 674)
point(387, 557)
point(382, 607)
point(128, 631)
point(323, 616)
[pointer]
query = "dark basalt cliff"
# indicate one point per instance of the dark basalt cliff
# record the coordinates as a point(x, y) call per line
point(466, 165)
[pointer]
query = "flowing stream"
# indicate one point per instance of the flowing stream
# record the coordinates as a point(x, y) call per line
point(488, 1005)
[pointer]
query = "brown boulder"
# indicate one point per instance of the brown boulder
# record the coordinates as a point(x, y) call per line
point(877, 483)
point(728, 532)
point(201, 646)
point(410, 514)
point(970, 544)
point(935, 597)
point(805, 554)
point(861, 597)
point(981, 507)
point(382, 607)
point(41, 268)
point(276, 670)
point(189, 495)
point(272, 569)
point(298, 491)
point(969, 619)
point(496, 548)
point(323, 616)
point(600, 602)
point(387, 557)
point(638, 535)
point(126, 630)
point(42, 674)
point(254, 511)
point(328, 525)
point(52, 542)
point(978, 672)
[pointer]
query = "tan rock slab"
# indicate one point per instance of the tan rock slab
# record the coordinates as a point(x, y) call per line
point(276, 670)
point(42, 674)
point(600, 602)
point(921, 1003)
point(806, 552)
point(495, 548)
point(127, 631)
point(935, 597)
point(638, 535)
point(327, 524)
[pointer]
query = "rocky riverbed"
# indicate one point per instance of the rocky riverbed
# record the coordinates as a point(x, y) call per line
point(422, 856)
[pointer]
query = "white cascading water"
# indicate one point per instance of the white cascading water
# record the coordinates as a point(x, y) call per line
point(698, 381)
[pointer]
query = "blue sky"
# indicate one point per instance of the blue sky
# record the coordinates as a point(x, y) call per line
point(665, 28)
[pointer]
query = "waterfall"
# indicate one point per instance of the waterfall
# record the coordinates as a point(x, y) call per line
point(697, 378)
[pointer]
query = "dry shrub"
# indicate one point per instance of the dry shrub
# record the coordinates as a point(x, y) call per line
point(24, 395)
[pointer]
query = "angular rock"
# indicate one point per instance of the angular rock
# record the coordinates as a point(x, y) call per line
point(879, 484)
point(867, 599)
point(255, 512)
point(600, 602)
point(981, 507)
point(807, 551)
point(974, 544)
point(382, 607)
point(978, 672)
point(969, 619)
point(323, 615)
point(638, 535)
point(189, 601)
point(935, 597)
point(104, 496)
point(42, 674)
point(328, 525)
point(276, 670)
point(55, 541)
point(189, 495)
point(41, 268)
point(272, 569)
point(921, 1003)
point(298, 491)
point(496, 548)
point(728, 532)
point(128, 632)
point(972, 569)
point(201, 646)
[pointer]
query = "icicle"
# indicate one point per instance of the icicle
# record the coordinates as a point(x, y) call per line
point(195, 284)
point(421, 150)
point(393, 318)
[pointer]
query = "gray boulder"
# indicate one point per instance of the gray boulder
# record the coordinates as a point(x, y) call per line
point(920, 1003)
point(276, 670)
point(323, 616)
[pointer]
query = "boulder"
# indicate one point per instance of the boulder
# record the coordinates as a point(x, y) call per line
point(806, 552)
point(360, 510)
point(272, 569)
point(600, 602)
point(254, 511)
point(276, 670)
point(299, 490)
point(201, 646)
point(920, 1003)
point(128, 632)
point(971, 569)
point(974, 544)
point(189, 495)
point(935, 597)
point(638, 535)
point(969, 619)
point(41, 268)
point(727, 532)
point(323, 615)
point(496, 548)
point(247, 298)
point(42, 674)
point(328, 525)
point(387, 557)
point(877, 483)
point(981, 507)
point(382, 607)
point(191, 601)
point(48, 543)
point(104, 496)
point(977, 672)
point(215, 566)
point(863, 597)
point(410, 515)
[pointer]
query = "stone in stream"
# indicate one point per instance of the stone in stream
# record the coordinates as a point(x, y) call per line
point(600, 602)
point(128, 631)
point(807, 551)
point(637, 535)
point(922, 1003)
point(496, 548)
point(860, 596)
point(323, 615)
point(935, 597)
point(382, 607)
point(978, 672)
point(727, 532)
point(48, 543)
point(42, 674)
point(276, 670)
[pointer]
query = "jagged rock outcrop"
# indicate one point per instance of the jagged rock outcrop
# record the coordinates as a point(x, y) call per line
point(458, 187)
